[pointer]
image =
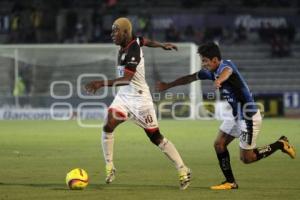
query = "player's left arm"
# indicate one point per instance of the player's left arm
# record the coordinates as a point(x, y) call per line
point(224, 75)
point(155, 44)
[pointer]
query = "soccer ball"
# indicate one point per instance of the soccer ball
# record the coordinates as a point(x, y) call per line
point(77, 179)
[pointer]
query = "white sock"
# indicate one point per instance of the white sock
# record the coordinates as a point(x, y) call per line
point(108, 147)
point(171, 152)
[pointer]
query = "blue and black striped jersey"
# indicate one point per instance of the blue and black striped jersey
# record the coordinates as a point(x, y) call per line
point(235, 89)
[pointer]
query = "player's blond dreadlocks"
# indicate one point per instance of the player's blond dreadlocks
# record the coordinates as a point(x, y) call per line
point(123, 24)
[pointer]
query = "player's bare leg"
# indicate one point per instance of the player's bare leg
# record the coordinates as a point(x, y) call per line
point(113, 120)
point(220, 145)
point(249, 156)
point(168, 148)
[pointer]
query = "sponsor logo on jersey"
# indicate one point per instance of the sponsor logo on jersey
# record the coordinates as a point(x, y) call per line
point(123, 56)
point(121, 71)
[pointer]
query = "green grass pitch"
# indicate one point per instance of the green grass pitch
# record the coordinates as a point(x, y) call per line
point(36, 155)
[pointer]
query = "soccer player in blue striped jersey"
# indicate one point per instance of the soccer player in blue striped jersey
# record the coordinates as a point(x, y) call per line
point(247, 119)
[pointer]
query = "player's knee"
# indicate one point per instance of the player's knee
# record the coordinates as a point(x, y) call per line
point(248, 156)
point(155, 137)
point(219, 146)
point(108, 128)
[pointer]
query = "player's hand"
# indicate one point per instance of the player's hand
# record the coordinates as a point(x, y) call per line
point(217, 84)
point(169, 46)
point(161, 86)
point(93, 86)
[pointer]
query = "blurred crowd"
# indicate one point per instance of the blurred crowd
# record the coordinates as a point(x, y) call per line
point(66, 22)
point(279, 38)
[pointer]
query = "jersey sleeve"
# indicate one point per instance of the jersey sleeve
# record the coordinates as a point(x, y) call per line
point(140, 41)
point(133, 58)
point(204, 74)
point(222, 67)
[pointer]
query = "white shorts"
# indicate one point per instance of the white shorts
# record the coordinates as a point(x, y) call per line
point(246, 130)
point(138, 108)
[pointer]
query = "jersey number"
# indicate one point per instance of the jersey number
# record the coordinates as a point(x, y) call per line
point(148, 119)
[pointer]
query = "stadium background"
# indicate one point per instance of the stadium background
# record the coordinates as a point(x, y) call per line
point(44, 41)
point(261, 37)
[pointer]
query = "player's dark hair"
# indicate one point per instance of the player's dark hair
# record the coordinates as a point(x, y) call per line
point(210, 50)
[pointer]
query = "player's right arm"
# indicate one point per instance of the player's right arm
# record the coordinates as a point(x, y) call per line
point(225, 74)
point(161, 86)
point(93, 86)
